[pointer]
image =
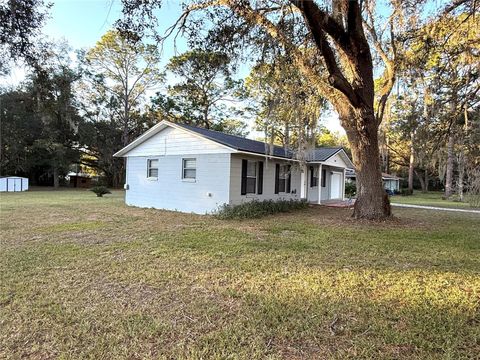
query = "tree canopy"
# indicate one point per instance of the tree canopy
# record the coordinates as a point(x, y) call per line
point(203, 92)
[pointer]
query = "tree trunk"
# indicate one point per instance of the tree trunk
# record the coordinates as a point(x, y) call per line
point(372, 200)
point(387, 166)
point(461, 174)
point(411, 163)
point(56, 180)
point(205, 117)
point(426, 180)
point(422, 181)
point(126, 111)
point(449, 174)
point(461, 155)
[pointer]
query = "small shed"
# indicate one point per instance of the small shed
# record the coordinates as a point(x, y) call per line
point(13, 183)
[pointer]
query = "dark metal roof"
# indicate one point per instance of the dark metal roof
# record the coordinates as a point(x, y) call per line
point(323, 153)
point(259, 147)
point(239, 143)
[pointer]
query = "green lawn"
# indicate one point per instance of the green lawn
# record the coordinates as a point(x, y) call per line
point(432, 198)
point(86, 277)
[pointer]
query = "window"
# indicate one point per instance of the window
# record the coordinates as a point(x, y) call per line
point(251, 176)
point(313, 176)
point(324, 177)
point(152, 168)
point(189, 169)
point(283, 178)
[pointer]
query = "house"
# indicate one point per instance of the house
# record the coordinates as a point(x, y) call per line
point(391, 183)
point(190, 169)
point(79, 180)
point(13, 183)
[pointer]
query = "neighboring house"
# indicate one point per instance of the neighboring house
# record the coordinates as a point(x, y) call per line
point(189, 169)
point(79, 180)
point(391, 183)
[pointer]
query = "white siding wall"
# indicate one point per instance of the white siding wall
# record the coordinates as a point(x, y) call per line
point(325, 191)
point(336, 160)
point(268, 180)
point(170, 192)
point(312, 192)
point(171, 141)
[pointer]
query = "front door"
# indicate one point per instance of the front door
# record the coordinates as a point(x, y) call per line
point(336, 186)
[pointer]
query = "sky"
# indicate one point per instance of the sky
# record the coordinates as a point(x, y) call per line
point(83, 22)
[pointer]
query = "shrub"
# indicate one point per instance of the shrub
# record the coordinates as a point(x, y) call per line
point(100, 190)
point(255, 209)
point(455, 198)
point(350, 189)
point(406, 192)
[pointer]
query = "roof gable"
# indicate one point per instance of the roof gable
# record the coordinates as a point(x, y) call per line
point(240, 143)
point(169, 139)
point(323, 154)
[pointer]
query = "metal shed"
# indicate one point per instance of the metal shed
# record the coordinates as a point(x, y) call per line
point(13, 183)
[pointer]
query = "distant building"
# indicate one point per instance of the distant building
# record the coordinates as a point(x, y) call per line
point(79, 180)
point(391, 183)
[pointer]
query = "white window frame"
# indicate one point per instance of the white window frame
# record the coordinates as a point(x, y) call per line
point(252, 177)
point(189, 179)
point(149, 167)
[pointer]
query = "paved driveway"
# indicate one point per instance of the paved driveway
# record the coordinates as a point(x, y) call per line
point(436, 208)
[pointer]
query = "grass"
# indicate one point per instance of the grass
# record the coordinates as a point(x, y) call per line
point(432, 198)
point(88, 277)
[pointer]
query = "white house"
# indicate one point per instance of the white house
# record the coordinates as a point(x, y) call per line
point(391, 183)
point(13, 183)
point(190, 169)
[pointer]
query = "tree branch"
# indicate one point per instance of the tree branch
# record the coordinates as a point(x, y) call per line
point(256, 18)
